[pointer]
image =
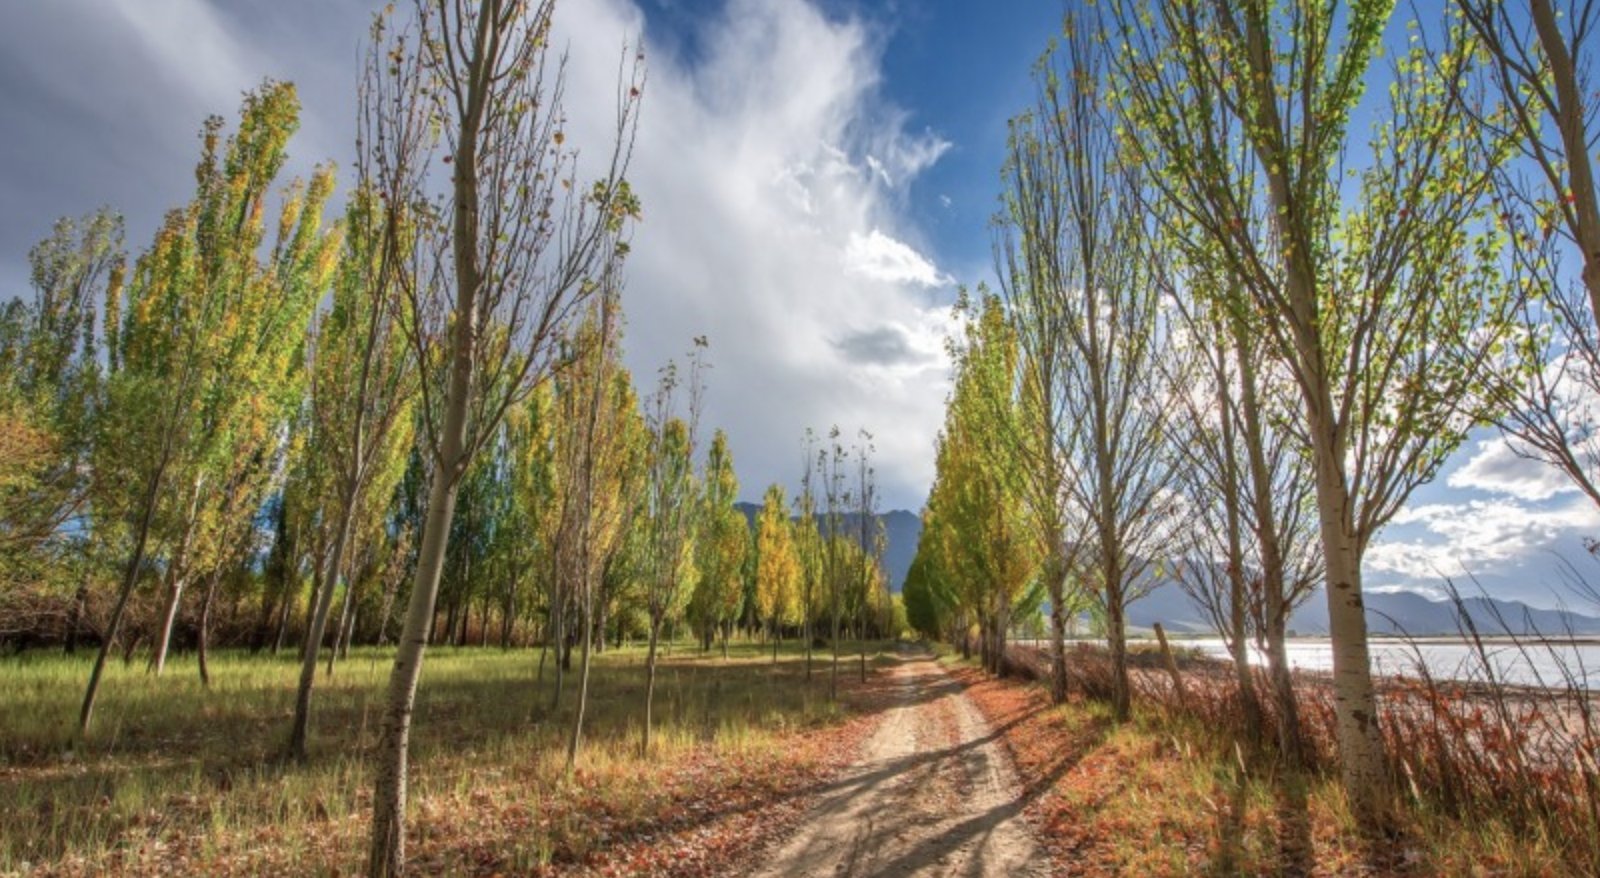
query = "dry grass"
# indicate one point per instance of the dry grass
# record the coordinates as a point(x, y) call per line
point(1173, 793)
point(176, 779)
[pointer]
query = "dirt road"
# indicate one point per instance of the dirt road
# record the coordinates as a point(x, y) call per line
point(932, 794)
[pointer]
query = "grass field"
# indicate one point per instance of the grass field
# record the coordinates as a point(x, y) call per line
point(175, 778)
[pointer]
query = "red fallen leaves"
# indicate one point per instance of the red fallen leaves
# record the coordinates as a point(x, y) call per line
point(1069, 780)
point(697, 813)
point(723, 812)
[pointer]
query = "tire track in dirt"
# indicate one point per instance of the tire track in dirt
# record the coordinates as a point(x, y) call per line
point(932, 794)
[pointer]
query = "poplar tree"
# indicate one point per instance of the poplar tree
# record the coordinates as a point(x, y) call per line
point(976, 522)
point(499, 279)
point(361, 392)
point(777, 566)
point(1377, 293)
point(599, 462)
point(207, 339)
point(249, 336)
point(723, 539)
point(51, 385)
point(669, 511)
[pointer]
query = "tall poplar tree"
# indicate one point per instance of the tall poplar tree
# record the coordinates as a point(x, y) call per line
point(361, 395)
point(778, 566)
point(1377, 293)
point(500, 279)
point(209, 334)
point(724, 537)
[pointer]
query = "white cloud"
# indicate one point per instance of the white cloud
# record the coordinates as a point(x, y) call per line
point(880, 257)
point(1497, 468)
point(770, 172)
point(1480, 536)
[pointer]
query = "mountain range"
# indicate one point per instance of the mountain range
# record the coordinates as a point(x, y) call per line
point(901, 530)
point(1388, 613)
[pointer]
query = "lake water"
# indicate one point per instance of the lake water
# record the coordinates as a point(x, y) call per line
point(1536, 664)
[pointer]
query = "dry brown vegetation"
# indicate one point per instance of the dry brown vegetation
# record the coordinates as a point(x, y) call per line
point(1179, 790)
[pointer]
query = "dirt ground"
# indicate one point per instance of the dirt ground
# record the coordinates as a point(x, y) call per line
point(932, 794)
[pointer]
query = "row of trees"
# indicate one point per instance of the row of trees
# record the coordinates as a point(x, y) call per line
point(1233, 336)
point(821, 570)
point(407, 424)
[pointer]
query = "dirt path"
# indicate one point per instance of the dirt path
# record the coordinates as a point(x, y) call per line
point(932, 794)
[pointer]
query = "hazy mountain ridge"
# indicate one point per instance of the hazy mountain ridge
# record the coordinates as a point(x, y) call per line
point(1388, 613)
point(901, 530)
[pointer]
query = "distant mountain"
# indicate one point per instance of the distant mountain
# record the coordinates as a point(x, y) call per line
point(1388, 612)
point(901, 530)
point(1406, 612)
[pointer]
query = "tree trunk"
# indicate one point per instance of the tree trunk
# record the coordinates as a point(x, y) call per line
point(318, 584)
point(283, 623)
point(559, 620)
point(130, 578)
point(1361, 750)
point(1238, 635)
point(169, 619)
point(833, 671)
point(1117, 644)
point(1058, 628)
point(805, 633)
point(1172, 665)
point(863, 642)
point(387, 855)
point(1571, 120)
point(319, 623)
point(544, 650)
point(509, 613)
point(349, 634)
point(650, 684)
point(177, 575)
point(1287, 708)
point(390, 589)
point(80, 601)
point(576, 739)
point(1362, 762)
point(204, 632)
point(341, 629)
point(1273, 574)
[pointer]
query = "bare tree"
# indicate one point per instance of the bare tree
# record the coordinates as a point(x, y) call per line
point(497, 280)
point(1251, 555)
point(1545, 392)
point(1080, 272)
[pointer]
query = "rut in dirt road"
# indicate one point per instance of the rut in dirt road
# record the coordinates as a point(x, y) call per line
point(932, 794)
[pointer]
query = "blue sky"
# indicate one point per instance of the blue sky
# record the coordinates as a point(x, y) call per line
point(817, 178)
